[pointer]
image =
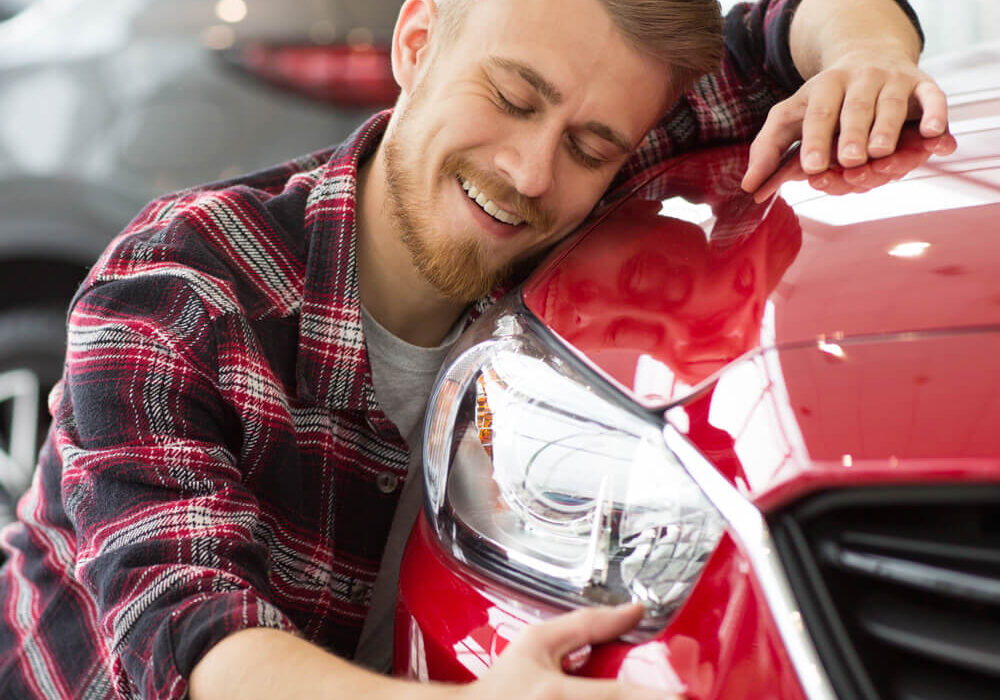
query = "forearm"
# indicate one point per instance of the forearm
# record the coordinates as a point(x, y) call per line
point(824, 30)
point(271, 664)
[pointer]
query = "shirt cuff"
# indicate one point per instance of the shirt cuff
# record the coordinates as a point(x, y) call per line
point(192, 630)
point(778, 48)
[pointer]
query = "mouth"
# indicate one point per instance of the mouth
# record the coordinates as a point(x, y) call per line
point(491, 208)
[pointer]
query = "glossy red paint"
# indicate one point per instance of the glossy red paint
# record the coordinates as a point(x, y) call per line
point(673, 284)
point(869, 324)
point(653, 301)
point(805, 343)
point(722, 644)
point(910, 408)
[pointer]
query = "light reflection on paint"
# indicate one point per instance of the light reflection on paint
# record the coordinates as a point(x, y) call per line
point(910, 249)
point(906, 198)
point(832, 349)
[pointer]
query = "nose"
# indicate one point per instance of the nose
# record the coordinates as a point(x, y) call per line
point(527, 158)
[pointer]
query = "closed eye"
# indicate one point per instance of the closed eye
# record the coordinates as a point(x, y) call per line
point(583, 156)
point(511, 108)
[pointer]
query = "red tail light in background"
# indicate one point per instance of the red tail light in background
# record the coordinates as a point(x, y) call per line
point(352, 76)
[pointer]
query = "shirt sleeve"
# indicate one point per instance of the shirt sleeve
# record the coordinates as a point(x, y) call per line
point(168, 537)
point(731, 104)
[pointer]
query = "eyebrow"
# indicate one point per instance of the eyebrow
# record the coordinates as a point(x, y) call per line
point(546, 89)
point(552, 95)
point(608, 134)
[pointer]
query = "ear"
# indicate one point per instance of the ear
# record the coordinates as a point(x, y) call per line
point(411, 41)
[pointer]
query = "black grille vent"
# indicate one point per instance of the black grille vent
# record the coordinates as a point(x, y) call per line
point(900, 588)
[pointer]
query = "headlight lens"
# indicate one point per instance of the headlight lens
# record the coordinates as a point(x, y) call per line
point(549, 481)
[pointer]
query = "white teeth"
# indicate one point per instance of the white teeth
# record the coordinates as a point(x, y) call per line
point(488, 206)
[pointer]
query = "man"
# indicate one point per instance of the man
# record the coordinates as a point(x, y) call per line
point(230, 438)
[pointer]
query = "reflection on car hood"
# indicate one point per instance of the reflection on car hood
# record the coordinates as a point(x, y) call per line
point(688, 273)
point(811, 341)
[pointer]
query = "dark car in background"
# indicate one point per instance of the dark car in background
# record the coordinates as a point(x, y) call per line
point(107, 104)
point(776, 424)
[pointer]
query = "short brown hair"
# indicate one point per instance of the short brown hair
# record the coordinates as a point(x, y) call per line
point(686, 35)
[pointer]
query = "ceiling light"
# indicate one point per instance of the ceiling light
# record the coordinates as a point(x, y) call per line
point(231, 11)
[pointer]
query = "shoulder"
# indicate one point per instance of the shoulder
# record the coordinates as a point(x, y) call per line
point(238, 245)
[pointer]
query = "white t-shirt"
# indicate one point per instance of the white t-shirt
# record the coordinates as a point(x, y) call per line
point(403, 376)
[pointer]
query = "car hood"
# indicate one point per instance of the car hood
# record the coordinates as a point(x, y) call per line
point(811, 340)
point(673, 283)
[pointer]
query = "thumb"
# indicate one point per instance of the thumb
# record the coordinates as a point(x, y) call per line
point(559, 636)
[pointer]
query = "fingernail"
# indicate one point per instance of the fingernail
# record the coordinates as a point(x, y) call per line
point(822, 181)
point(879, 141)
point(852, 150)
point(814, 160)
point(935, 125)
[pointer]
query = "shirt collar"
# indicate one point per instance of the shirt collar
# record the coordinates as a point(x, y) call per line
point(332, 367)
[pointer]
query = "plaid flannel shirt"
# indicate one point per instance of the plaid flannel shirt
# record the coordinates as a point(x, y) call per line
point(218, 459)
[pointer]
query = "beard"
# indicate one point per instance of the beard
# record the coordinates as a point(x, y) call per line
point(458, 267)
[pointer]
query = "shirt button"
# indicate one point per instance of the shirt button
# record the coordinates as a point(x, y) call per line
point(386, 482)
point(359, 592)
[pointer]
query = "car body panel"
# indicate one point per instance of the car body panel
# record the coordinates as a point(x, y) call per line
point(914, 407)
point(807, 344)
point(723, 643)
point(650, 302)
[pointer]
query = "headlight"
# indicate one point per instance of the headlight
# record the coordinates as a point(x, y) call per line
point(540, 477)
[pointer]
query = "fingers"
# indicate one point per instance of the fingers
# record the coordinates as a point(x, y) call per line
point(589, 689)
point(530, 666)
point(893, 104)
point(934, 106)
point(866, 100)
point(781, 129)
point(820, 124)
point(790, 169)
point(559, 636)
point(856, 117)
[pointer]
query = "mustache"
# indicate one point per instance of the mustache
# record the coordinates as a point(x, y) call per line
point(499, 190)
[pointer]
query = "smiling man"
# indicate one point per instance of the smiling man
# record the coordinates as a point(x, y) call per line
point(234, 463)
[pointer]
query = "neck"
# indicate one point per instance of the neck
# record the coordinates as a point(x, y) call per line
point(392, 289)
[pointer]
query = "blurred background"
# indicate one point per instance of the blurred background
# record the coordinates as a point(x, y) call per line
point(106, 104)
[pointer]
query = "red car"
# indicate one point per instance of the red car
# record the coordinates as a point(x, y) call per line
point(776, 424)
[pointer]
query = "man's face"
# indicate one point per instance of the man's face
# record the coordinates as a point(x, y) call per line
point(531, 108)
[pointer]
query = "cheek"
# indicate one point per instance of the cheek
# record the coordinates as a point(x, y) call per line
point(575, 197)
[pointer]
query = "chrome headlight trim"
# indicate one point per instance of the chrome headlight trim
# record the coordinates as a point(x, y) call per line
point(748, 528)
point(555, 535)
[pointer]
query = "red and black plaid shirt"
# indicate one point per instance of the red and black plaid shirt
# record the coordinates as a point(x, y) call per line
point(217, 448)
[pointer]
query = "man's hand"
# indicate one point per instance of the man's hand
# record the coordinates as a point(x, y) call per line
point(912, 151)
point(865, 83)
point(531, 666)
point(267, 663)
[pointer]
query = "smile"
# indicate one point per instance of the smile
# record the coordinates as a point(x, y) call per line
point(487, 205)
